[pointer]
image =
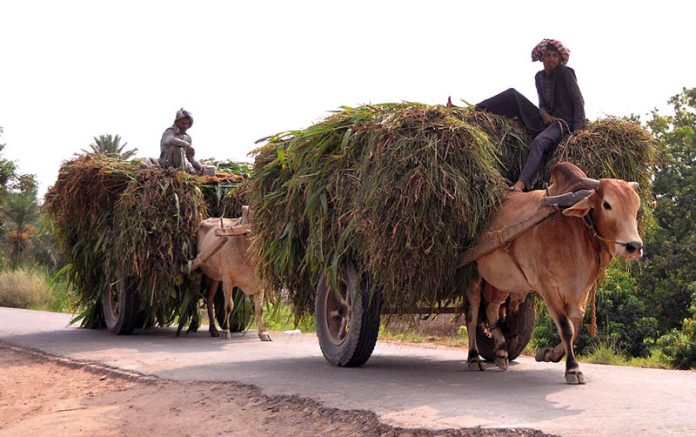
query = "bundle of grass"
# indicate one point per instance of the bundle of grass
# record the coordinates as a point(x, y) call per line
point(612, 148)
point(116, 219)
point(395, 189)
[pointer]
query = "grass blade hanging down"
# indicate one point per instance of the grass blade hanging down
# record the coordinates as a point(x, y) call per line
point(399, 190)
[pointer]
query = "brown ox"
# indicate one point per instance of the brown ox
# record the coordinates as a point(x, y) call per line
point(224, 258)
point(560, 258)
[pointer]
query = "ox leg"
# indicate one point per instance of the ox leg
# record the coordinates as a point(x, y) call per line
point(494, 299)
point(554, 354)
point(195, 317)
point(567, 332)
point(227, 288)
point(212, 291)
point(573, 375)
point(473, 297)
point(258, 308)
point(551, 354)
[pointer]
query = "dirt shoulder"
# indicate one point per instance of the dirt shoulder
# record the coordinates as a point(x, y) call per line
point(40, 393)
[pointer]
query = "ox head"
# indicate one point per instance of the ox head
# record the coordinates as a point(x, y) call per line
point(613, 211)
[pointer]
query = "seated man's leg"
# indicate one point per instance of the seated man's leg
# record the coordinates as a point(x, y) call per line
point(510, 103)
point(543, 143)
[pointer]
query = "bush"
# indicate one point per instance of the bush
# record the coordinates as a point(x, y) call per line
point(22, 289)
point(679, 345)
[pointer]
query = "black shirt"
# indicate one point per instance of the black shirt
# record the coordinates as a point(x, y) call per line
point(560, 96)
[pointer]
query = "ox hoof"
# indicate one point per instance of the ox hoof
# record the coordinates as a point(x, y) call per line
point(546, 355)
point(214, 333)
point(501, 362)
point(475, 363)
point(225, 334)
point(264, 336)
point(575, 378)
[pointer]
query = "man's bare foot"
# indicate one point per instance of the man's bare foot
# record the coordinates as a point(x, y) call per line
point(518, 187)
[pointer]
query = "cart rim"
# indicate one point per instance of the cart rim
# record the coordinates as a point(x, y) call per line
point(338, 307)
point(114, 299)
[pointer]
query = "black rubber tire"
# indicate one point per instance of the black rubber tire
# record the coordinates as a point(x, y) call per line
point(517, 327)
point(241, 314)
point(355, 346)
point(120, 307)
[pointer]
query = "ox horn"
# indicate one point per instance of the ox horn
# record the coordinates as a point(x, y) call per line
point(592, 183)
point(634, 185)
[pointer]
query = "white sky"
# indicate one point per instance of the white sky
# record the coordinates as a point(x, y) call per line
point(72, 70)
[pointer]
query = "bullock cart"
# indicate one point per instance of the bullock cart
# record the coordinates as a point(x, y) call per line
point(366, 214)
point(126, 230)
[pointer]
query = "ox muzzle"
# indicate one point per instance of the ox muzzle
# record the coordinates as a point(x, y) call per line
point(633, 248)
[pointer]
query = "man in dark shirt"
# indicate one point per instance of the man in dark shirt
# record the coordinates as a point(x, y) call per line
point(561, 107)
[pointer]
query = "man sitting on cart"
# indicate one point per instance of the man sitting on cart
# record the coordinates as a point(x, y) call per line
point(175, 147)
point(561, 107)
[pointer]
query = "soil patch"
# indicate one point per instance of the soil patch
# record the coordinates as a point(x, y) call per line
point(42, 394)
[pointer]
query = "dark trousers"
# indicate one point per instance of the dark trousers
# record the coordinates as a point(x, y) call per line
point(510, 103)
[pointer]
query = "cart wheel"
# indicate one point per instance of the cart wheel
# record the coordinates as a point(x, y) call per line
point(516, 326)
point(120, 307)
point(241, 314)
point(347, 320)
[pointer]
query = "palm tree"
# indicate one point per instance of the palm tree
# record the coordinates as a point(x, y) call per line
point(110, 145)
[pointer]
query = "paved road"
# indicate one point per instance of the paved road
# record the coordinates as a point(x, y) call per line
point(405, 385)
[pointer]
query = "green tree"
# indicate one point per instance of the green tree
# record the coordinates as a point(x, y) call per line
point(666, 278)
point(110, 145)
point(21, 212)
point(7, 172)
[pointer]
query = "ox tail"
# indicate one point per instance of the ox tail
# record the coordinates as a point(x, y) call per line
point(593, 325)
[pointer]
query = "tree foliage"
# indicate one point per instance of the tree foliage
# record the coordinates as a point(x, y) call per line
point(110, 145)
point(667, 277)
point(18, 211)
point(668, 281)
point(21, 212)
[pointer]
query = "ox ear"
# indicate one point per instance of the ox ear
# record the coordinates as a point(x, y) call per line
point(581, 208)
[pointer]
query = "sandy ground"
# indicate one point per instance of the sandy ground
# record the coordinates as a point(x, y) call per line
point(41, 394)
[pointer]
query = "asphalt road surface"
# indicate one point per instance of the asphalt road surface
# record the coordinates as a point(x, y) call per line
point(406, 386)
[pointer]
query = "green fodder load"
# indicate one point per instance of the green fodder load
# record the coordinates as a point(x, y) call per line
point(612, 148)
point(115, 219)
point(609, 148)
point(398, 190)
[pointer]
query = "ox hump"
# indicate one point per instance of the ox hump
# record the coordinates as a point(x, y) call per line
point(566, 177)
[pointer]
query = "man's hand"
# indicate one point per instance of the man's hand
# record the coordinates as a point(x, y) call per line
point(546, 118)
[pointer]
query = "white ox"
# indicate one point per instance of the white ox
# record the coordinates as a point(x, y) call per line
point(223, 246)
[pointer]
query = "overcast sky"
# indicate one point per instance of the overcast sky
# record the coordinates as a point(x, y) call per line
point(73, 70)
